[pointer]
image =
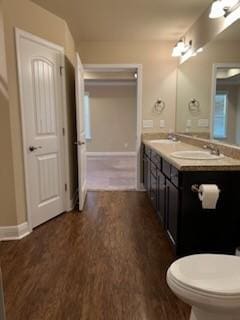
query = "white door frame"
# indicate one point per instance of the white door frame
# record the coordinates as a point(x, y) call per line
point(20, 34)
point(122, 67)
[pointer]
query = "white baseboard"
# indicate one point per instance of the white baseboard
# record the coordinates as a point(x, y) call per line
point(73, 201)
point(111, 154)
point(14, 232)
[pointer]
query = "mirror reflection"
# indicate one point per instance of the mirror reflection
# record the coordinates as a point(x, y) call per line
point(226, 115)
point(208, 90)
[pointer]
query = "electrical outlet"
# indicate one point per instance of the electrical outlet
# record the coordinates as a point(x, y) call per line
point(189, 123)
point(203, 123)
point(162, 123)
point(147, 123)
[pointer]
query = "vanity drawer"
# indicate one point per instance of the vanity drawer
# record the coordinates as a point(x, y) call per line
point(175, 176)
point(166, 168)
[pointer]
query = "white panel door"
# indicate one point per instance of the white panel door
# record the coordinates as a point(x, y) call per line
point(81, 143)
point(40, 80)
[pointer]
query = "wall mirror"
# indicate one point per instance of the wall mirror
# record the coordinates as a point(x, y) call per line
point(208, 90)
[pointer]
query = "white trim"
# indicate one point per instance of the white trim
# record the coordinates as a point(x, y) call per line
point(14, 232)
point(111, 154)
point(66, 152)
point(109, 67)
point(102, 83)
point(20, 34)
point(124, 67)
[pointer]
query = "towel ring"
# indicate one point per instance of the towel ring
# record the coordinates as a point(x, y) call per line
point(194, 105)
point(159, 106)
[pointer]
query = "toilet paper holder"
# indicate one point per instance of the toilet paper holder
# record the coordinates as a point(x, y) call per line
point(195, 188)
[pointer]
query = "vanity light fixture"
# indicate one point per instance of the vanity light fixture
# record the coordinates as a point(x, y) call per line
point(176, 52)
point(222, 8)
point(181, 48)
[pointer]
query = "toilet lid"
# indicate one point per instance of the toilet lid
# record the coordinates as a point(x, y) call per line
point(216, 274)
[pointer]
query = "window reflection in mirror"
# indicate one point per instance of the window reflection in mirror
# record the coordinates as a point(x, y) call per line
point(226, 115)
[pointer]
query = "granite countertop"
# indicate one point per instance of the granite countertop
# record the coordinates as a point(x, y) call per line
point(165, 150)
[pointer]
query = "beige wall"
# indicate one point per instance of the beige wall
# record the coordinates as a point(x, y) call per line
point(30, 17)
point(195, 81)
point(159, 72)
point(113, 118)
point(7, 190)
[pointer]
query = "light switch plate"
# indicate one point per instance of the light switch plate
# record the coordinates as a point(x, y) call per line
point(189, 123)
point(203, 123)
point(147, 123)
point(162, 123)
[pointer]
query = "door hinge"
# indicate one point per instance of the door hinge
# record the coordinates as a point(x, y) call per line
point(65, 186)
point(63, 131)
point(61, 70)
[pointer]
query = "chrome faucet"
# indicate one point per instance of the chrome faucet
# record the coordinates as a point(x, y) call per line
point(213, 149)
point(172, 136)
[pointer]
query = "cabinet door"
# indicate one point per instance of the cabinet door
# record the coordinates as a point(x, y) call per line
point(161, 197)
point(146, 172)
point(172, 208)
point(153, 191)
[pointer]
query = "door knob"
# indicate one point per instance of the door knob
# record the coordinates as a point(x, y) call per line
point(79, 143)
point(32, 148)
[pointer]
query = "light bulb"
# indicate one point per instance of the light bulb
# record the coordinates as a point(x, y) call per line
point(229, 3)
point(176, 52)
point(181, 46)
point(217, 10)
point(199, 50)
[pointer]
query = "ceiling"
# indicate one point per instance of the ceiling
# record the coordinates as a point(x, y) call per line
point(123, 20)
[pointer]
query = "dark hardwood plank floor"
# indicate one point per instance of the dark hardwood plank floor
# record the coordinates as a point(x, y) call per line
point(106, 263)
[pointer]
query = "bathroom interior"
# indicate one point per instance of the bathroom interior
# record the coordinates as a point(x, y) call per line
point(191, 176)
point(158, 237)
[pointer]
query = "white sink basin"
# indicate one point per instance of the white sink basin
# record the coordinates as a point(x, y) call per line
point(196, 155)
point(164, 141)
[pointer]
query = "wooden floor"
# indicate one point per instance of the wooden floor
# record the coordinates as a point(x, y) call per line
point(107, 263)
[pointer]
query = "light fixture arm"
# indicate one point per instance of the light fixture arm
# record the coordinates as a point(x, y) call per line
point(229, 10)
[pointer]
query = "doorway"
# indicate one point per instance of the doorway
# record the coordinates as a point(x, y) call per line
point(112, 113)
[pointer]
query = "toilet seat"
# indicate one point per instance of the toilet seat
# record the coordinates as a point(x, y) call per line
point(208, 275)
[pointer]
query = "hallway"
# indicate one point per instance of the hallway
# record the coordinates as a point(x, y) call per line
point(107, 263)
point(111, 173)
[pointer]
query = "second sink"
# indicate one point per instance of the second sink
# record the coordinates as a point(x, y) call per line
point(196, 155)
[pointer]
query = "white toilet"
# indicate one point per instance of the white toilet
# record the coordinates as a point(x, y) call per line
point(209, 283)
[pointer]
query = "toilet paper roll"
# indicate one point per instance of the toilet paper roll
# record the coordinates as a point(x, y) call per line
point(208, 195)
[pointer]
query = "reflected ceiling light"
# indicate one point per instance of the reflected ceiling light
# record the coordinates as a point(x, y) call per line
point(221, 8)
point(199, 50)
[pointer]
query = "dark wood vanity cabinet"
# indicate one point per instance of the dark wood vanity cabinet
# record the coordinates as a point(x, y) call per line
point(172, 207)
point(190, 228)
